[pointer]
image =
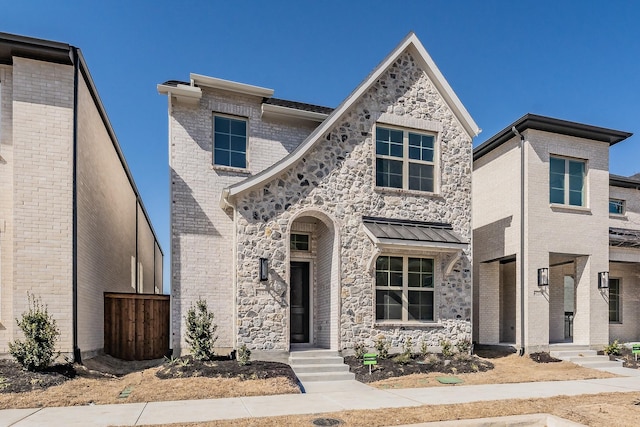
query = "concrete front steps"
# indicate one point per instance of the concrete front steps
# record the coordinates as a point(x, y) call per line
point(319, 365)
point(584, 357)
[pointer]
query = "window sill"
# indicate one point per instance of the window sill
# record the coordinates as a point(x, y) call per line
point(622, 217)
point(572, 209)
point(403, 192)
point(615, 323)
point(221, 168)
point(408, 325)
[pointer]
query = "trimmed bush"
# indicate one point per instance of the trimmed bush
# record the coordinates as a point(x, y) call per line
point(201, 330)
point(37, 351)
point(244, 355)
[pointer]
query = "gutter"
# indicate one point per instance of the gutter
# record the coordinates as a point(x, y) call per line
point(522, 270)
point(76, 71)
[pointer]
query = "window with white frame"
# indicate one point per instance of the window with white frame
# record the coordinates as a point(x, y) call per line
point(616, 206)
point(405, 159)
point(614, 301)
point(299, 242)
point(404, 289)
point(229, 141)
point(567, 181)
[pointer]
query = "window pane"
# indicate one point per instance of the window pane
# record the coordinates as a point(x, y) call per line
point(299, 242)
point(575, 198)
point(382, 134)
point(614, 300)
point(382, 263)
point(420, 177)
point(395, 279)
point(221, 125)
point(414, 153)
point(238, 143)
point(395, 136)
point(556, 196)
point(395, 150)
point(238, 127)
point(420, 305)
point(388, 173)
point(237, 160)
point(382, 148)
point(556, 165)
point(222, 141)
point(421, 147)
point(388, 305)
point(395, 264)
point(221, 157)
point(382, 278)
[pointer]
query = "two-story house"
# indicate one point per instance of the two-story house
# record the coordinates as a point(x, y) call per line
point(556, 237)
point(304, 226)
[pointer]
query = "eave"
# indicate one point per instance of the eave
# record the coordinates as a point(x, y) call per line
point(278, 111)
point(221, 84)
point(549, 124)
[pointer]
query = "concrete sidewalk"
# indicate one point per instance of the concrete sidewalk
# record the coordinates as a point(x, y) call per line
point(324, 397)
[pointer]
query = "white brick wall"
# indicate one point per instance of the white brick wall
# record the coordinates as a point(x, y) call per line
point(202, 233)
point(42, 192)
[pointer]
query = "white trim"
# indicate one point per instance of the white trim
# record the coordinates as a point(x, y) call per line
point(181, 93)
point(230, 86)
point(278, 111)
point(411, 41)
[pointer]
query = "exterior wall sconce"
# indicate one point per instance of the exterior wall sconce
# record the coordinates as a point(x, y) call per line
point(264, 269)
point(543, 277)
point(603, 280)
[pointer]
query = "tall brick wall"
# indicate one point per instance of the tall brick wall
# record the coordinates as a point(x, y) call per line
point(146, 253)
point(201, 232)
point(6, 207)
point(42, 164)
point(106, 222)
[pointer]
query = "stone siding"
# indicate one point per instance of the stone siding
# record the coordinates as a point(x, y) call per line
point(336, 179)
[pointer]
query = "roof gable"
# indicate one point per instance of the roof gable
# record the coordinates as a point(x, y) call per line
point(410, 43)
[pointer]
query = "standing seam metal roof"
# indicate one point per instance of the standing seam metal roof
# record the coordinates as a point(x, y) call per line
point(385, 228)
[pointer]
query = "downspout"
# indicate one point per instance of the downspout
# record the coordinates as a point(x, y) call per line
point(76, 71)
point(522, 271)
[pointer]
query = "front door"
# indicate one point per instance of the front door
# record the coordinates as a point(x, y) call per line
point(299, 282)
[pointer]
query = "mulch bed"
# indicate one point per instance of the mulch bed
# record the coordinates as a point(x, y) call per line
point(388, 368)
point(628, 359)
point(224, 367)
point(14, 379)
point(543, 357)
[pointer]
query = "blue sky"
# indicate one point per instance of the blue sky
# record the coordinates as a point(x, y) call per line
point(574, 60)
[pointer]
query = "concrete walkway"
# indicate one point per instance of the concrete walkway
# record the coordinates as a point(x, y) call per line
point(322, 397)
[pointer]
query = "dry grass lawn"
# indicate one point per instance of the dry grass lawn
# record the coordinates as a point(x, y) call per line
point(609, 409)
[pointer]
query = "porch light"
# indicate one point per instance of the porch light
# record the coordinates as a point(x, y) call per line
point(603, 280)
point(543, 277)
point(264, 269)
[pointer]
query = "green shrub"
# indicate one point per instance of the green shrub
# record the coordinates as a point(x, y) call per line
point(402, 358)
point(244, 355)
point(360, 350)
point(447, 348)
point(407, 347)
point(37, 351)
point(463, 346)
point(201, 331)
point(382, 347)
point(613, 349)
point(424, 349)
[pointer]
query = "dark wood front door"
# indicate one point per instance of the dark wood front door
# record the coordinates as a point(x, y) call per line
point(299, 281)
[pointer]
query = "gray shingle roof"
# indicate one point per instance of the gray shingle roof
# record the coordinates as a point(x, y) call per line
point(623, 237)
point(397, 229)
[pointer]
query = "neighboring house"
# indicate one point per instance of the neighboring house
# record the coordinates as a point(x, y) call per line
point(72, 225)
point(304, 226)
point(550, 226)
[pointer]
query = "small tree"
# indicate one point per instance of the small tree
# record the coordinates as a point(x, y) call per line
point(37, 351)
point(201, 330)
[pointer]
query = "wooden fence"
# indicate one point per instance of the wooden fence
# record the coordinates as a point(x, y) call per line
point(136, 326)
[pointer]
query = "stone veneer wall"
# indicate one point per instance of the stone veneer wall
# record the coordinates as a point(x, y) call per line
point(337, 178)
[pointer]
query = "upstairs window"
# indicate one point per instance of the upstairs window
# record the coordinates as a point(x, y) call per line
point(229, 142)
point(405, 159)
point(404, 289)
point(566, 181)
point(616, 206)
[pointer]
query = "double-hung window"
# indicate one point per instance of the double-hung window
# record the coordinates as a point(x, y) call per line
point(229, 142)
point(616, 206)
point(404, 289)
point(614, 301)
point(405, 159)
point(567, 181)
